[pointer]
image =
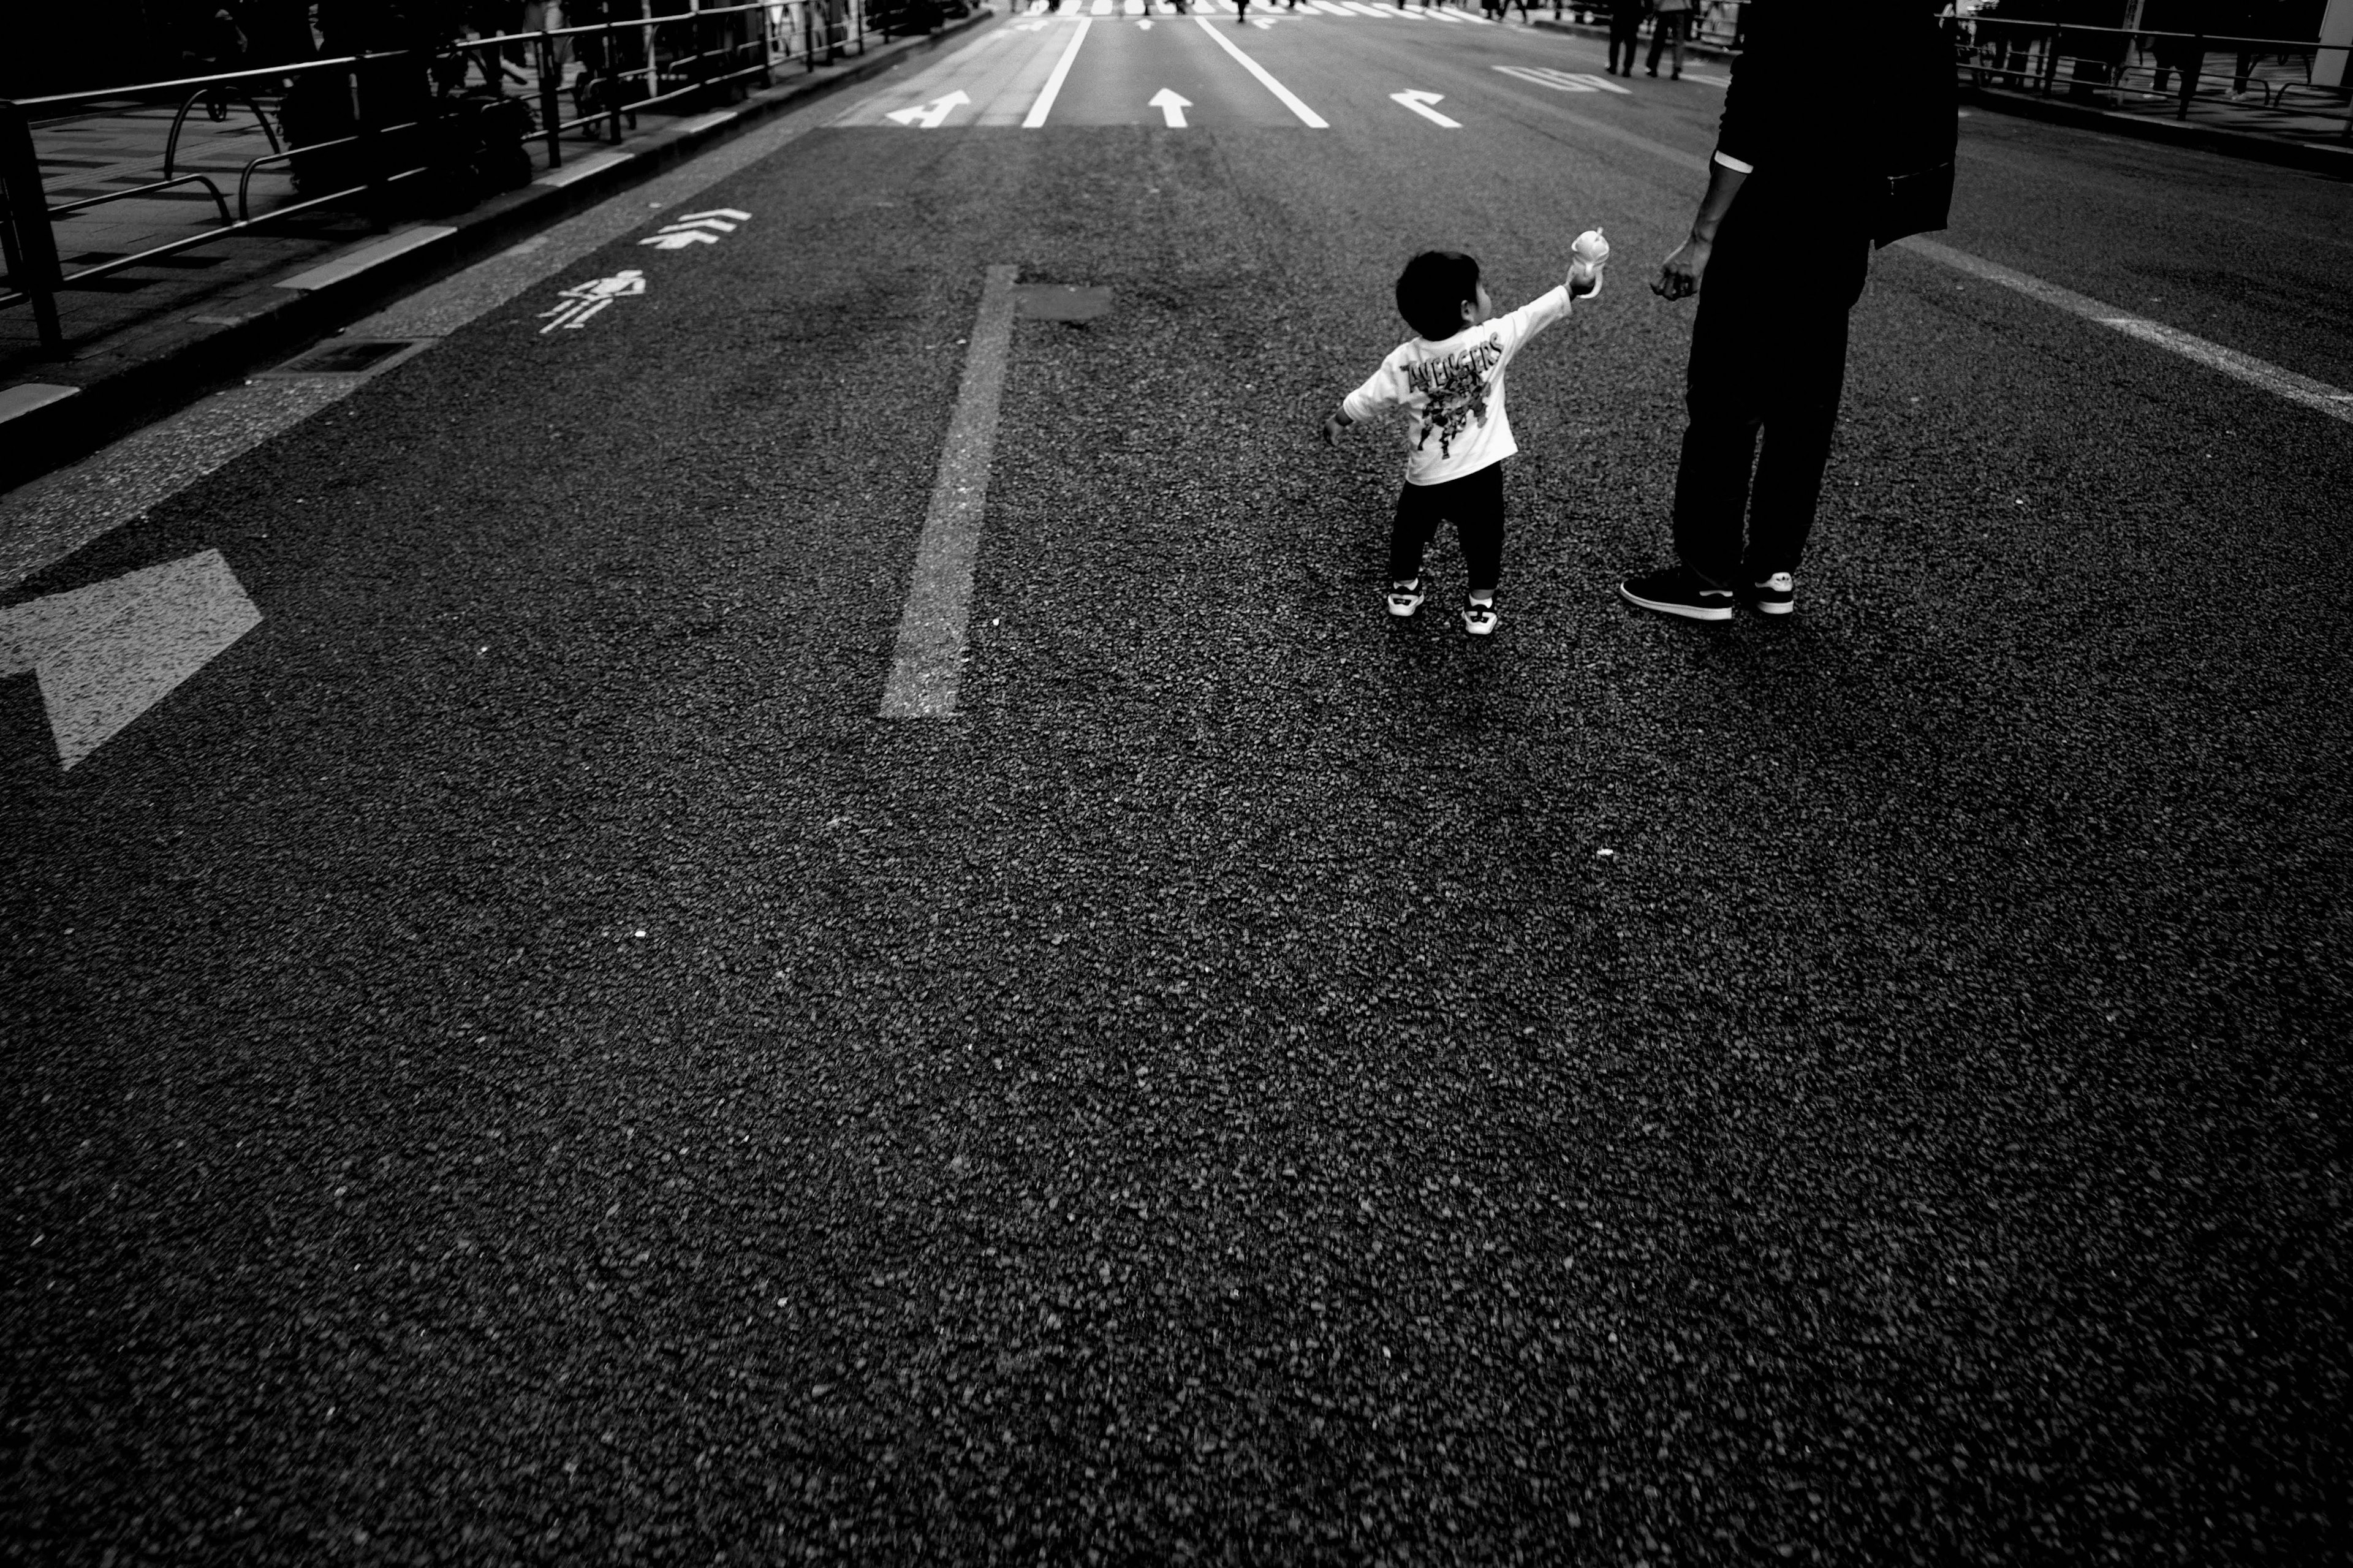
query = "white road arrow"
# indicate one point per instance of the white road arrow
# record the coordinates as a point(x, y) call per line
point(715, 212)
point(718, 224)
point(680, 240)
point(1167, 101)
point(107, 653)
point(930, 115)
point(1419, 103)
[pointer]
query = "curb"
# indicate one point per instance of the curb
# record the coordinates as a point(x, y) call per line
point(2318, 158)
point(147, 373)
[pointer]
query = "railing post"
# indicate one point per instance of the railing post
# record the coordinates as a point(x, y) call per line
point(612, 89)
point(2050, 60)
point(653, 76)
point(364, 131)
point(549, 101)
point(34, 250)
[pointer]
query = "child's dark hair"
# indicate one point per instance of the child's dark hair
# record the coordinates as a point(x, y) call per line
point(1432, 288)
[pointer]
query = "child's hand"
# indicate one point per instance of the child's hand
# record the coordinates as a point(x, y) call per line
point(1332, 428)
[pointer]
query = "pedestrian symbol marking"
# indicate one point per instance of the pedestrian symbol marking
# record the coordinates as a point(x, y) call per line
point(583, 300)
point(107, 653)
point(1563, 82)
point(928, 116)
point(1171, 107)
point(1419, 103)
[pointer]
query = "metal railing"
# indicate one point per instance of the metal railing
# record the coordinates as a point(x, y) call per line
point(629, 73)
point(2030, 56)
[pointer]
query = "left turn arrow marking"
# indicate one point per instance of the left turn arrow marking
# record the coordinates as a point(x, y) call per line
point(1419, 103)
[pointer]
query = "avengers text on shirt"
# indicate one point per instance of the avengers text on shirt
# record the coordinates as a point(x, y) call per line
point(1456, 387)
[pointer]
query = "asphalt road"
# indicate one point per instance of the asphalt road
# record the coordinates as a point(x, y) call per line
point(515, 1061)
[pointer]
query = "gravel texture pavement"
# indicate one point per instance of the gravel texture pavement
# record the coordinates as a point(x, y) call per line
point(516, 1063)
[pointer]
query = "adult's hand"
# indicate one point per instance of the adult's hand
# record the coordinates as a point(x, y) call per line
point(1679, 274)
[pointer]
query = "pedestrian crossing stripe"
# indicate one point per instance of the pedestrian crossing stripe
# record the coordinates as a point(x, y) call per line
point(1350, 9)
point(1563, 82)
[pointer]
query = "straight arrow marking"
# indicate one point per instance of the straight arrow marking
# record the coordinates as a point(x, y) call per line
point(716, 212)
point(1419, 103)
point(1167, 101)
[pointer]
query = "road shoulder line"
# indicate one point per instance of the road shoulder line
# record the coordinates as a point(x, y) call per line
point(929, 664)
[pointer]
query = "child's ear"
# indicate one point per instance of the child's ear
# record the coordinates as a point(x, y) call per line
point(1470, 312)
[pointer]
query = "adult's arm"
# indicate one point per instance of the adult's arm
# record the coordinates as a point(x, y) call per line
point(1680, 273)
point(1744, 137)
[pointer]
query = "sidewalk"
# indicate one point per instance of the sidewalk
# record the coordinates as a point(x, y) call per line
point(2281, 120)
point(145, 341)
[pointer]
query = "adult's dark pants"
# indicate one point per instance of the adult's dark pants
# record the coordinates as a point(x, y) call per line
point(1626, 33)
point(1767, 364)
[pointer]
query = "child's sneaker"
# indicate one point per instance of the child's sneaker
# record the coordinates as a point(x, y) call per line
point(1405, 597)
point(1774, 596)
point(1479, 617)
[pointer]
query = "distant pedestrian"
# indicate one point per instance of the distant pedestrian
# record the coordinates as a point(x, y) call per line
point(2169, 20)
point(1674, 21)
point(1625, 32)
point(1449, 381)
point(1801, 185)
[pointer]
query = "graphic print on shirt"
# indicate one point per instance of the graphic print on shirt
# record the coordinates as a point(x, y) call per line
point(1456, 387)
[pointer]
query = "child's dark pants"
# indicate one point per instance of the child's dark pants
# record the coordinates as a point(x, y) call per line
point(1475, 502)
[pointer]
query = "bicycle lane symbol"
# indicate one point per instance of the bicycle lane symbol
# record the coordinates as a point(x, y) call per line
point(576, 304)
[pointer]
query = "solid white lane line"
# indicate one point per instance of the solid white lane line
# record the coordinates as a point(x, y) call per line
point(2317, 395)
point(929, 664)
point(1290, 101)
point(1045, 104)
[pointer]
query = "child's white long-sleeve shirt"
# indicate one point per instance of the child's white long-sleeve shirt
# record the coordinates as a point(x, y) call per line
point(1452, 392)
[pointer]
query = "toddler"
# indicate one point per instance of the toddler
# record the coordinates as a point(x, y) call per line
point(1450, 381)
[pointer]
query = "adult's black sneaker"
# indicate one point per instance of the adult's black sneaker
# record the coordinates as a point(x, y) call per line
point(1774, 596)
point(1678, 591)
